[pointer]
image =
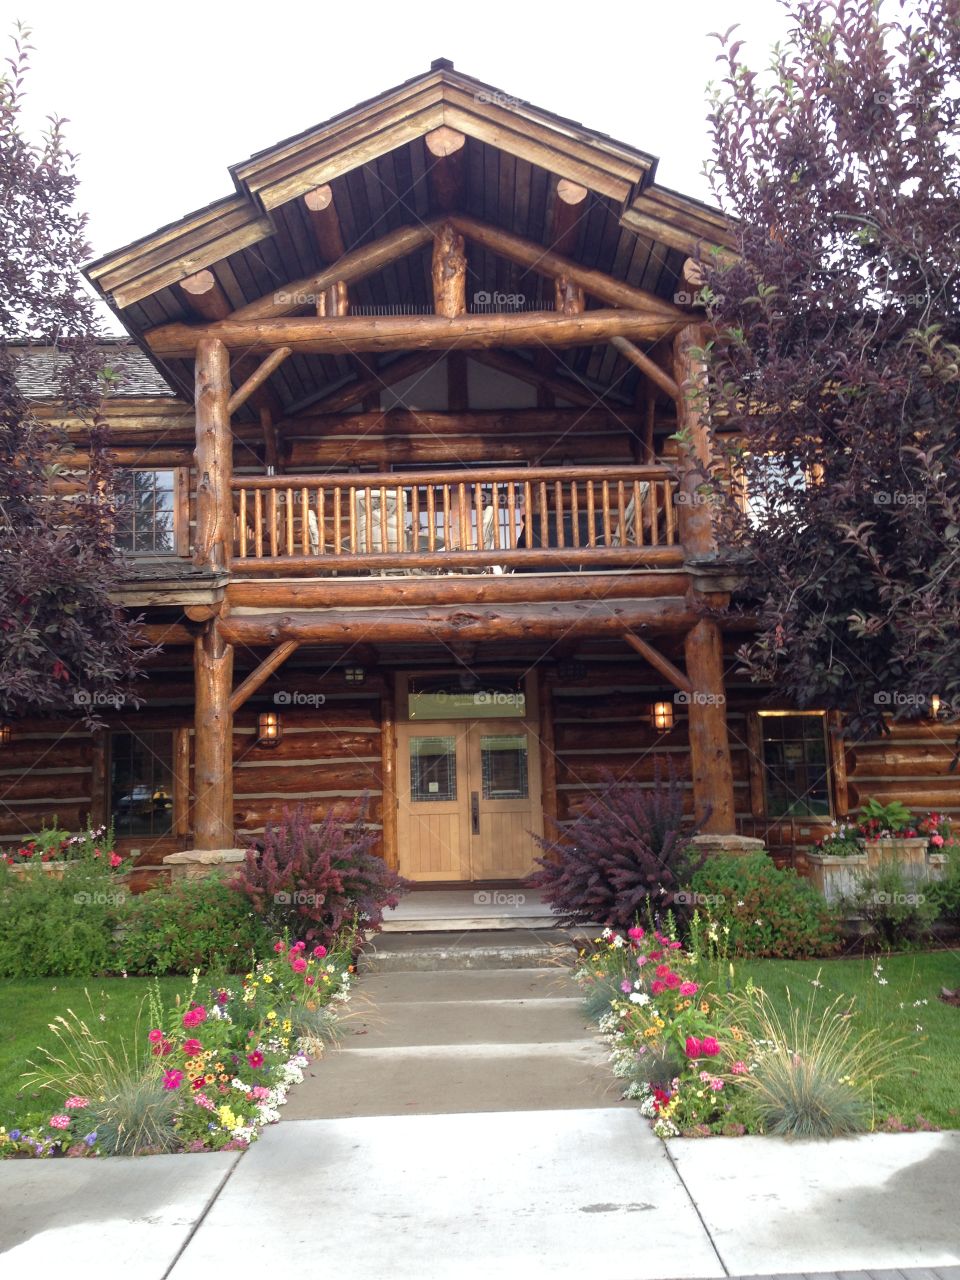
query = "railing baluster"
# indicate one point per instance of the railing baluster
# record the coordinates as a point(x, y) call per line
point(352, 517)
point(622, 515)
point(273, 522)
point(495, 503)
point(558, 506)
point(368, 519)
point(574, 513)
point(544, 514)
point(528, 515)
point(652, 510)
point(384, 522)
point(414, 517)
point(511, 515)
point(243, 522)
point(668, 509)
point(591, 516)
point(462, 512)
point(446, 516)
point(431, 523)
point(637, 514)
point(605, 503)
point(258, 522)
point(321, 521)
point(479, 540)
point(289, 522)
point(305, 521)
point(337, 521)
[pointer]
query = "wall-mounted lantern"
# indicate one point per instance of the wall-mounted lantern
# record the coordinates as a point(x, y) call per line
point(6, 735)
point(661, 716)
point(269, 729)
point(354, 675)
point(934, 705)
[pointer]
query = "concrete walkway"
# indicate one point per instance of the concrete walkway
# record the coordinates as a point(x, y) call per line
point(469, 1127)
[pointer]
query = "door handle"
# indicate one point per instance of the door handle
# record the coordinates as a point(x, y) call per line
point(475, 812)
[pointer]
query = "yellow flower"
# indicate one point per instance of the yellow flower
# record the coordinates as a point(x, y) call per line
point(267, 977)
point(704, 1006)
point(271, 1016)
point(736, 1033)
point(227, 1118)
point(209, 1078)
point(287, 1025)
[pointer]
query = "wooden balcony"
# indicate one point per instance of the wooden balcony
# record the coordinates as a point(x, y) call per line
point(558, 519)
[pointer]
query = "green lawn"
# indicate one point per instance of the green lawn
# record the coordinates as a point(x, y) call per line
point(27, 1007)
point(930, 1081)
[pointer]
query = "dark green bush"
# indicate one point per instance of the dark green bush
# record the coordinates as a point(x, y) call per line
point(900, 908)
point(769, 912)
point(945, 894)
point(59, 926)
point(192, 924)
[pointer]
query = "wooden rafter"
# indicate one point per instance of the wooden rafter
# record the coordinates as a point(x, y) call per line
point(325, 223)
point(257, 378)
point(261, 673)
point(647, 366)
point(659, 662)
point(569, 205)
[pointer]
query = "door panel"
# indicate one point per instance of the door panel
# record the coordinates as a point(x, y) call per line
point(469, 799)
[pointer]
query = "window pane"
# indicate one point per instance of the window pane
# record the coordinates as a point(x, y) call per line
point(141, 783)
point(145, 511)
point(795, 774)
point(433, 769)
point(504, 766)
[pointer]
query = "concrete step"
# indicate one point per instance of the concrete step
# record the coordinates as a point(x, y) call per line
point(508, 1022)
point(509, 949)
point(477, 986)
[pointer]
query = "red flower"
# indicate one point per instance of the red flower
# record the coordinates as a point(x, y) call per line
point(709, 1047)
point(662, 970)
point(657, 988)
point(255, 1059)
point(693, 1047)
point(191, 1047)
point(279, 948)
point(672, 980)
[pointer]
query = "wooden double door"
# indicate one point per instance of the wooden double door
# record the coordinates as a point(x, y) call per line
point(469, 799)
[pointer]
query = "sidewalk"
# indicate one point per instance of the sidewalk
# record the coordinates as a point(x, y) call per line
point(469, 1127)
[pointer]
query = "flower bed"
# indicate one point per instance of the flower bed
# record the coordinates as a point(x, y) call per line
point(206, 1075)
point(53, 849)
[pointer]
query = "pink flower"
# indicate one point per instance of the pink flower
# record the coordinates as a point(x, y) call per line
point(59, 1122)
point(716, 1084)
point(662, 970)
point(672, 980)
point(319, 952)
point(675, 946)
point(255, 1059)
point(740, 1069)
point(626, 987)
point(259, 1092)
point(937, 841)
point(115, 860)
point(155, 1036)
point(298, 965)
point(73, 1103)
point(299, 946)
point(693, 1047)
point(641, 961)
point(162, 1049)
point(656, 955)
point(710, 1047)
point(193, 1017)
point(657, 987)
point(688, 988)
point(191, 1047)
point(636, 933)
point(202, 1100)
point(309, 980)
point(172, 1078)
point(279, 948)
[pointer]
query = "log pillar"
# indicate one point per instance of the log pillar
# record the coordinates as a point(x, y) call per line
point(548, 746)
point(213, 740)
point(214, 543)
point(695, 513)
point(710, 763)
point(388, 762)
point(449, 273)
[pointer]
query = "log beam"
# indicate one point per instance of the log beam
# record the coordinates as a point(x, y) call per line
point(446, 158)
point(533, 256)
point(257, 378)
point(213, 739)
point(442, 625)
point(660, 662)
point(260, 674)
point(449, 273)
point(205, 297)
point(325, 223)
point(338, 336)
point(569, 207)
point(640, 360)
point(712, 771)
point(214, 541)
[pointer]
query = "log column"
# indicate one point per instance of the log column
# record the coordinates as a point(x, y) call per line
point(213, 741)
point(214, 543)
point(711, 766)
point(388, 762)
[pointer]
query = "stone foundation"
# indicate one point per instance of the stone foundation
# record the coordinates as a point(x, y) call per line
point(738, 846)
point(192, 864)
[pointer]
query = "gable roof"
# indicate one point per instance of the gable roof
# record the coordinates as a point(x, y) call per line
point(374, 158)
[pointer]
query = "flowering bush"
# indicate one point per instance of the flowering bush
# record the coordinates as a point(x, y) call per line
point(938, 829)
point(208, 1073)
point(843, 840)
point(95, 846)
point(878, 821)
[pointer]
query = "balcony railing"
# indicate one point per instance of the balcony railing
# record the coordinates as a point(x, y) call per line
point(563, 518)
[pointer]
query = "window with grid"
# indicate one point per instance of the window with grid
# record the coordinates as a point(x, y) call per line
point(141, 783)
point(146, 514)
point(796, 778)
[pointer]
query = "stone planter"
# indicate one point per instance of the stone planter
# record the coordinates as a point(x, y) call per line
point(193, 864)
point(836, 877)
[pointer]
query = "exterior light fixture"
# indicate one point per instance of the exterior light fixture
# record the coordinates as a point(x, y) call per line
point(934, 705)
point(354, 675)
point(269, 729)
point(6, 735)
point(662, 716)
point(571, 669)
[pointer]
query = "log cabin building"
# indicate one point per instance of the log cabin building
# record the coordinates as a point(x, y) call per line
point(406, 507)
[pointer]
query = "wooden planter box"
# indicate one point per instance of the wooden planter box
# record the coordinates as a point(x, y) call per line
point(836, 877)
point(910, 853)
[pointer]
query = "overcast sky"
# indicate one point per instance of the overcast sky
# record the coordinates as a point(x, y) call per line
point(162, 98)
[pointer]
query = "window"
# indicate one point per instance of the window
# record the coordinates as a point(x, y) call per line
point(504, 767)
point(489, 698)
point(433, 769)
point(796, 778)
point(141, 783)
point(146, 512)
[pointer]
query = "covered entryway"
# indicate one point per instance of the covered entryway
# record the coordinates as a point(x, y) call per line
point(468, 773)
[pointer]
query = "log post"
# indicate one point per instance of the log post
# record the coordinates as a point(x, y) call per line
point(388, 769)
point(213, 727)
point(569, 297)
point(181, 782)
point(694, 447)
point(99, 815)
point(449, 273)
point(214, 455)
point(548, 746)
point(707, 717)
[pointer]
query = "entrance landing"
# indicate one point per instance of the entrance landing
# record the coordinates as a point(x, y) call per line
point(454, 910)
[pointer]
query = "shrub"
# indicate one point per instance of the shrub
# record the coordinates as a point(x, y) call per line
point(945, 893)
point(61, 925)
point(898, 908)
point(812, 1074)
point(626, 856)
point(204, 923)
point(765, 911)
point(311, 881)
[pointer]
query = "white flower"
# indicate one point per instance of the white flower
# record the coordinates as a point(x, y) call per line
point(741, 903)
point(881, 982)
point(758, 923)
point(639, 997)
